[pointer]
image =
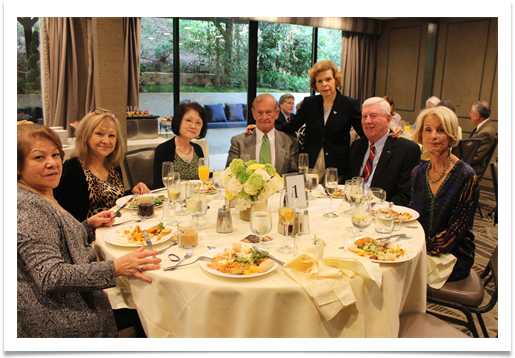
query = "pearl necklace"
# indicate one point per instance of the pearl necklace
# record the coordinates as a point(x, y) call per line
point(186, 157)
point(441, 174)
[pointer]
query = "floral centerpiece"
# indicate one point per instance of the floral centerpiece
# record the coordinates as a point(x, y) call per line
point(250, 183)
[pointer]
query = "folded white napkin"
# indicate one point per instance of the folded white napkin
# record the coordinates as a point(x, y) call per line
point(324, 272)
point(439, 268)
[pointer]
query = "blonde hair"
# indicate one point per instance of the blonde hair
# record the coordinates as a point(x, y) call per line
point(324, 66)
point(26, 133)
point(449, 124)
point(84, 131)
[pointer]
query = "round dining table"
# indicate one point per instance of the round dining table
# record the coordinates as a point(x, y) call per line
point(190, 302)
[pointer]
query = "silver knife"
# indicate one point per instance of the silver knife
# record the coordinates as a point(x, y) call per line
point(116, 213)
point(390, 237)
point(147, 241)
point(270, 256)
point(156, 190)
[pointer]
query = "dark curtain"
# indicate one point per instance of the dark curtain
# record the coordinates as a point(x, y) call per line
point(132, 38)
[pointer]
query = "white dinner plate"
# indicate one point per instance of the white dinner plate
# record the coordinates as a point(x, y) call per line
point(115, 236)
point(411, 251)
point(123, 199)
point(402, 209)
point(218, 250)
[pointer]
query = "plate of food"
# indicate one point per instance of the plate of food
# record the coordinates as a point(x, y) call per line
point(402, 213)
point(238, 261)
point(131, 235)
point(207, 188)
point(158, 201)
point(368, 247)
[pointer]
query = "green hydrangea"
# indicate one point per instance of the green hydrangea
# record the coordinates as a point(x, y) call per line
point(237, 165)
point(249, 172)
point(250, 162)
point(255, 181)
point(270, 169)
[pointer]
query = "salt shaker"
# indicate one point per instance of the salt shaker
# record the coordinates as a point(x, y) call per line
point(224, 220)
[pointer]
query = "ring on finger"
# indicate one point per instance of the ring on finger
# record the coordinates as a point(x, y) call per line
point(140, 268)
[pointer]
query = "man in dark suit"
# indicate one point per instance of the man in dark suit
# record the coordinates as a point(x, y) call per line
point(485, 130)
point(393, 159)
point(286, 104)
point(283, 153)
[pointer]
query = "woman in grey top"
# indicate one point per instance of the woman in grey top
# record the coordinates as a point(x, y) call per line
point(59, 281)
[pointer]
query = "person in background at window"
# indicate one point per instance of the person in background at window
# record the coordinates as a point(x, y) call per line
point(286, 104)
point(189, 122)
point(92, 177)
point(445, 191)
point(60, 283)
point(396, 117)
point(485, 130)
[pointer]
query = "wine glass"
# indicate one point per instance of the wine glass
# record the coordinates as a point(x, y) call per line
point(201, 211)
point(217, 176)
point(167, 168)
point(180, 193)
point(346, 195)
point(171, 182)
point(203, 170)
point(286, 213)
point(193, 198)
point(303, 162)
point(362, 216)
point(331, 185)
point(261, 223)
point(356, 196)
point(311, 182)
point(377, 195)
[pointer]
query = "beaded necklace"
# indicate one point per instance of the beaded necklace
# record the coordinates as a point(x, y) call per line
point(441, 174)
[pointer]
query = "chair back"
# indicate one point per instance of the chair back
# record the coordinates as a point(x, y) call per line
point(493, 168)
point(488, 159)
point(466, 149)
point(138, 167)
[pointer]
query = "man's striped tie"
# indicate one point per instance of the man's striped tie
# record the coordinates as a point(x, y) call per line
point(368, 166)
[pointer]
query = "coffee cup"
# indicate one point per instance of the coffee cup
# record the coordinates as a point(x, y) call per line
point(385, 222)
point(188, 234)
point(145, 207)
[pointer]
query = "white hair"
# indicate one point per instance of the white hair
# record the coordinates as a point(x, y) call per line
point(434, 100)
point(383, 104)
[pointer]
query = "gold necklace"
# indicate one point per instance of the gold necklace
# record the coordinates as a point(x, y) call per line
point(186, 157)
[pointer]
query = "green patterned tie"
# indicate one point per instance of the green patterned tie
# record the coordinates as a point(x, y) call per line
point(265, 154)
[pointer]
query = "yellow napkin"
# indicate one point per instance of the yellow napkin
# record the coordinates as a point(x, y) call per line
point(439, 269)
point(326, 277)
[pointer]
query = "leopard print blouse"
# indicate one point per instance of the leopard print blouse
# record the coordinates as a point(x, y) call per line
point(103, 194)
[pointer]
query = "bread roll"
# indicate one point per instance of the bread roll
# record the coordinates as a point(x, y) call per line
point(265, 265)
point(236, 247)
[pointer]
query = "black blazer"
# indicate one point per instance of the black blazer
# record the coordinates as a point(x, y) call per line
point(393, 171)
point(166, 152)
point(334, 136)
point(281, 121)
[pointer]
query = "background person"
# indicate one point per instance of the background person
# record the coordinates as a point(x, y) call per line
point(445, 191)
point(283, 148)
point(189, 122)
point(286, 104)
point(392, 159)
point(60, 282)
point(92, 181)
point(396, 117)
point(485, 130)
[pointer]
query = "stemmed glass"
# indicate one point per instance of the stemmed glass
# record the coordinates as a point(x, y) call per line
point(167, 167)
point(182, 188)
point(362, 216)
point(171, 183)
point(346, 195)
point(311, 182)
point(331, 185)
point(217, 175)
point(377, 195)
point(286, 213)
point(203, 170)
point(357, 195)
point(303, 162)
point(201, 211)
point(193, 198)
point(261, 223)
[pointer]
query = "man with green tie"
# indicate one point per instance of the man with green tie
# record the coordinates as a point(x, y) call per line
point(265, 144)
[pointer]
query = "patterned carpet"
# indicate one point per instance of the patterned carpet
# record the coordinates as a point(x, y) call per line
point(486, 240)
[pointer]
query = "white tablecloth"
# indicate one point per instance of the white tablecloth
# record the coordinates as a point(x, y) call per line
point(190, 302)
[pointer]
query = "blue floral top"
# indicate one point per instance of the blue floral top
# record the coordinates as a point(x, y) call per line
point(448, 216)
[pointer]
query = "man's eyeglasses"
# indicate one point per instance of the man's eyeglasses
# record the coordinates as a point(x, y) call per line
point(102, 111)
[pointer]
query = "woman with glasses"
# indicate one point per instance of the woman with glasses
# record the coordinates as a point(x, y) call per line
point(92, 177)
point(189, 122)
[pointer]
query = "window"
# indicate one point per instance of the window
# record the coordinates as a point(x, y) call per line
point(28, 60)
point(330, 45)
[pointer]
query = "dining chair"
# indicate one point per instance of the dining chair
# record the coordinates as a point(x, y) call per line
point(467, 296)
point(480, 175)
point(466, 149)
point(138, 167)
point(423, 325)
point(492, 216)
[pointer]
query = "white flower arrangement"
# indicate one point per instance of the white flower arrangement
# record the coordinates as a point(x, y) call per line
point(250, 183)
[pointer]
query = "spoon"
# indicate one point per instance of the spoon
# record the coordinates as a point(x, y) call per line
point(187, 256)
point(211, 248)
point(203, 258)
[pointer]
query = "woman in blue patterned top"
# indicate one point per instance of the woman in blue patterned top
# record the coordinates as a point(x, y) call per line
point(445, 191)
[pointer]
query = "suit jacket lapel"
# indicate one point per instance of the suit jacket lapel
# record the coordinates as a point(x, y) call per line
point(386, 154)
point(319, 113)
point(360, 153)
point(250, 146)
point(280, 153)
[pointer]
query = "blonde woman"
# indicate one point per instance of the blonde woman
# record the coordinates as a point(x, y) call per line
point(92, 177)
point(445, 191)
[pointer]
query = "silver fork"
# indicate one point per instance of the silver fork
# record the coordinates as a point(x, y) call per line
point(187, 256)
point(203, 258)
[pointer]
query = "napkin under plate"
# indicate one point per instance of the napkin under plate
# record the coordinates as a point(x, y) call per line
point(325, 278)
point(439, 268)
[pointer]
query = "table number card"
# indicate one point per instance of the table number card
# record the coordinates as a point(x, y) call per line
point(295, 186)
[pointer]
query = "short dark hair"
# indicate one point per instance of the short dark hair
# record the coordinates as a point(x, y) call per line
point(448, 104)
point(483, 109)
point(181, 110)
point(284, 97)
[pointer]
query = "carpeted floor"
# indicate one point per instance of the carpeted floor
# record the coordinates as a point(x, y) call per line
point(486, 240)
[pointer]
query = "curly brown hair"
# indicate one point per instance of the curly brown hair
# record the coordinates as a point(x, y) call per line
point(324, 66)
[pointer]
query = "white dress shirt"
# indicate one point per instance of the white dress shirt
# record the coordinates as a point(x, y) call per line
point(259, 141)
point(379, 145)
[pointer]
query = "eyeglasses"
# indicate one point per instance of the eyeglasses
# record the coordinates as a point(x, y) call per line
point(102, 111)
point(198, 124)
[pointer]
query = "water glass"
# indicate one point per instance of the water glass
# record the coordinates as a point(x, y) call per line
point(261, 223)
point(303, 162)
point(362, 216)
point(331, 185)
point(311, 182)
point(183, 188)
point(346, 195)
point(217, 175)
point(167, 168)
point(377, 195)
